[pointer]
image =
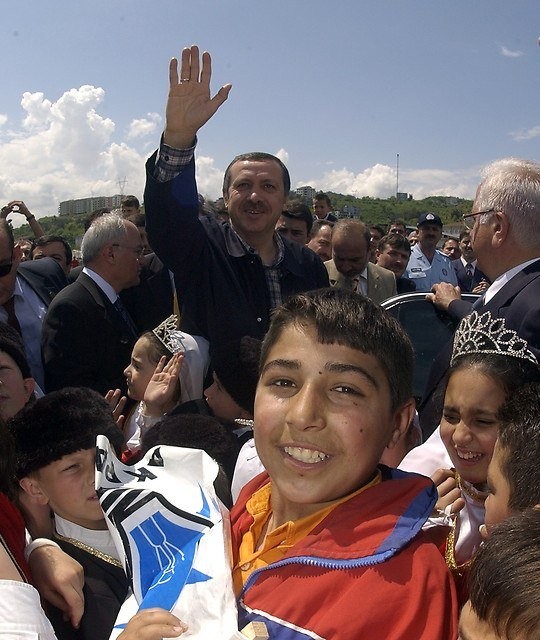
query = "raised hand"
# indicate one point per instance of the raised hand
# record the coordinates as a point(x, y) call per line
point(161, 394)
point(116, 402)
point(189, 105)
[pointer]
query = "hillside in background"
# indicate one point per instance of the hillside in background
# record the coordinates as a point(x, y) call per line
point(372, 211)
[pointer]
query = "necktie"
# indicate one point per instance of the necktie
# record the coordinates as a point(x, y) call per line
point(118, 305)
point(469, 271)
point(9, 306)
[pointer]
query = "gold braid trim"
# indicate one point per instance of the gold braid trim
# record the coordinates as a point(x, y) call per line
point(93, 552)
point(450, 546)
point(472, 492)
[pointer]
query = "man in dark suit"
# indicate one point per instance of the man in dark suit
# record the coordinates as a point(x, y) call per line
point(506, 238)
point(87, 333)
point(470, 278)
point(26, 290)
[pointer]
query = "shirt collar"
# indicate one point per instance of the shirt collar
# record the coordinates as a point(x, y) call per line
point(107, 289)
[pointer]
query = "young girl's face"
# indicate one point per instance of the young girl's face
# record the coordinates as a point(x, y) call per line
point(469, 425)
point(140, 369)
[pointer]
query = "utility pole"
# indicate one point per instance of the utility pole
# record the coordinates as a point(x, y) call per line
point(397, 175)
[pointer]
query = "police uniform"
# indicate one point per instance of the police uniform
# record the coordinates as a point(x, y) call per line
point(425, 274)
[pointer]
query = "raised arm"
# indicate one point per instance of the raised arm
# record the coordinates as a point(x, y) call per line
point(189, 105)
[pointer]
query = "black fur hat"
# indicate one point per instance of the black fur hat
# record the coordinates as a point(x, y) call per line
point(61, 423)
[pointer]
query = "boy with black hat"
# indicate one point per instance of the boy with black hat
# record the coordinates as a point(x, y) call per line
point(55, 448)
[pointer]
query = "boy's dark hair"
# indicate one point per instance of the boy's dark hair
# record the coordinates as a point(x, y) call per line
point(504, 581)
point(397, 222)
point(194, 431)
point(376, 227)
point(97, 213)
point(318, 223)
point(351, 320)
point(299, 211)
point(395, 241)
point(12, 344)
point(464, 234)
point(45, 240)
point(138, 219)
point(61, 423)
point(8, 485)
point(236, 364)
point(257, 156)
point(320, 195)
point(519, 444)
point(130, 201)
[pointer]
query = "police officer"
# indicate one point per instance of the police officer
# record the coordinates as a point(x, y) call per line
point(427, 265)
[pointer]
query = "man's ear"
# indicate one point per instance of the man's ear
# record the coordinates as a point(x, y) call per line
point(32, 488)
point(501, 228)
point(29, 387)
point(402, 419)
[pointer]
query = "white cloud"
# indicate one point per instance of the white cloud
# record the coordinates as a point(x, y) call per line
point(508, 53)
point(64, 149)
point(526, 134)
point(379, 181)
point(142, 127)
point(3, 119)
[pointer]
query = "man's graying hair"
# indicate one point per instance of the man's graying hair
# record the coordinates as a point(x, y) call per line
point(107, 229)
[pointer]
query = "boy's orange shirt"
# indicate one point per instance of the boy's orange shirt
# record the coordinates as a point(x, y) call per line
point(277, 542)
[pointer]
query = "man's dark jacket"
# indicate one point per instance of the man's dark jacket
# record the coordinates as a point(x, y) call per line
point(85, 341)
point(518, 302)
point(221, 288)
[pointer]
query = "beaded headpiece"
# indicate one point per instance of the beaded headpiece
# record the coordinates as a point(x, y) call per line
point(167, 333)
point(480, 333)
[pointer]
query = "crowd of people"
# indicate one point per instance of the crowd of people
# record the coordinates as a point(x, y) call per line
point(256, 334)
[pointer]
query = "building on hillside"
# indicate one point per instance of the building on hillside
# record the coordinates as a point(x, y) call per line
point(306, 194)
point(87, 205)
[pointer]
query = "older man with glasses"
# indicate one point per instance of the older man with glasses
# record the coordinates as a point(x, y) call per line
point(88, 334)
point(505, 236)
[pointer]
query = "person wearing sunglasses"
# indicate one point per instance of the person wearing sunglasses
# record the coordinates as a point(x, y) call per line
point(26, 290)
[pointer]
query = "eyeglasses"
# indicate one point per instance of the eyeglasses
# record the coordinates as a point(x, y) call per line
point(473, 215)
point(138, 251)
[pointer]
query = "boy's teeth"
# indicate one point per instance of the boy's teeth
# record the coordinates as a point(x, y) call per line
point(305, 455)
point(468, 455)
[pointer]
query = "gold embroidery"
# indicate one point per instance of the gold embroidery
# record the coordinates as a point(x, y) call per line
point(94, 552)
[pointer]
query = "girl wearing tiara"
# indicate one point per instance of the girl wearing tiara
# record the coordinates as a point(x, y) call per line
point(167, 368)
point(489, 362)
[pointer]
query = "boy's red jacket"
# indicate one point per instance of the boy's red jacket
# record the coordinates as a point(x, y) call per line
point(366, 571)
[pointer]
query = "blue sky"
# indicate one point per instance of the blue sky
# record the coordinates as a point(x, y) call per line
point(336, 89)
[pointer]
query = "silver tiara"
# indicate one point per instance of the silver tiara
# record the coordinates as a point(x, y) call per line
point(167, 333)
point(480, 333)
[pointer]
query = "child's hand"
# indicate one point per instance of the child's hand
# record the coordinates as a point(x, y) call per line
point(153, 624)
point(159, 396)
point(116, 402)
point(450, 500)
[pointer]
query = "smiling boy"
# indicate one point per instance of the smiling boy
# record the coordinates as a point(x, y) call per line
point(329, 538)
